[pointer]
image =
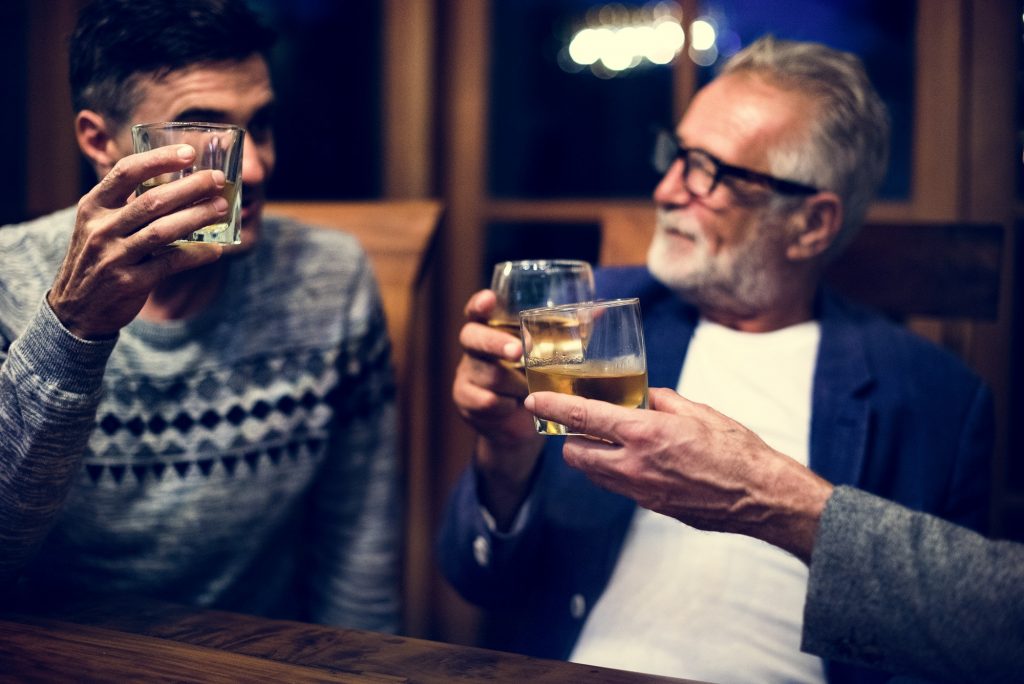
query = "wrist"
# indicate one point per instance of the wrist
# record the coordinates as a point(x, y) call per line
point(70, 322)
point(504, 478)
point(797, 514)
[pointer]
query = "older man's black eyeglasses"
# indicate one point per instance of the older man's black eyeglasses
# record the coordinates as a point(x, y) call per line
point(702, 171)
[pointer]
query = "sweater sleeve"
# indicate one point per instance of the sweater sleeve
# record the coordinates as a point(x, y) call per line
point(908, 592)
point(50, 386)
point(356, 521)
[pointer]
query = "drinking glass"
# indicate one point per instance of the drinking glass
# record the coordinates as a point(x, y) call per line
point(217, 146)
point(533, 283)
point(589, 349)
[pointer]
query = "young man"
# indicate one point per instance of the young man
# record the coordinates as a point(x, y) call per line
point(768, 174)
point(214, 431)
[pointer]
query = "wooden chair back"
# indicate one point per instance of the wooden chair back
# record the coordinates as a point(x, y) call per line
point(397, 235)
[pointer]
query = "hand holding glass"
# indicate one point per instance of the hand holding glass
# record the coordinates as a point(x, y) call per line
point(529, 284)
point(217, 146)
point(592, 349)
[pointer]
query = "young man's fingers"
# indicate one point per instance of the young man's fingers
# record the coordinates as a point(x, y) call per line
point(132, 170)
point(178, 225)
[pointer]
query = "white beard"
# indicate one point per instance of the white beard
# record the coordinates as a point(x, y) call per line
point(740, 280)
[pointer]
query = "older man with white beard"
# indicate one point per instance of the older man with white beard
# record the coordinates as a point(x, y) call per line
point(768, 174)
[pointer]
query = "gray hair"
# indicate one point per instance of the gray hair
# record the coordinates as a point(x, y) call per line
point(848, 147)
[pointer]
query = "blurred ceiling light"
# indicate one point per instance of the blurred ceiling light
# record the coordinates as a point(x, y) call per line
point(667, 41)
point(617, 40)
point(588, 45)
point(702, 35)
point(703, 42)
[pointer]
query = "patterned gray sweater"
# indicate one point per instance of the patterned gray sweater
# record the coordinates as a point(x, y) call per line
point(244, 459)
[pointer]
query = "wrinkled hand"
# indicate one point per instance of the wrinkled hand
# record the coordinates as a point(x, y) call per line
point(120, 248)
point(489, 396)
point(688, 461)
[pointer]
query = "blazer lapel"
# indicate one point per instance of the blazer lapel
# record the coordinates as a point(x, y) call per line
point(840, 411)
point(668, 327)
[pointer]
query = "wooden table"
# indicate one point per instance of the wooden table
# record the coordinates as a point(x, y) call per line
point(129, 639)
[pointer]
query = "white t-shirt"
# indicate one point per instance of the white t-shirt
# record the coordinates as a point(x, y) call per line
point(718, 607)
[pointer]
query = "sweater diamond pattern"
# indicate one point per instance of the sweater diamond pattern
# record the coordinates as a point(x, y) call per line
point(268, 412)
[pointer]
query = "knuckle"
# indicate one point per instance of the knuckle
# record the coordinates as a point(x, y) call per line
point(119, 170)
point(84, 205)
point(151, 237)
point(632, 431)
point(577, 418)
point(152, 203)
point(488, 403)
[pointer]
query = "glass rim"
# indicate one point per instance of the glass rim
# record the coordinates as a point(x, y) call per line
point(589, 305)
point(540, 264)
point(196, 125)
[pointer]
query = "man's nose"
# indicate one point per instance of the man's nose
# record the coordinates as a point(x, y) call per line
point(671, 189)
point(254, 170)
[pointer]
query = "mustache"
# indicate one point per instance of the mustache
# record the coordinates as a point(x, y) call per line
point(678, 222)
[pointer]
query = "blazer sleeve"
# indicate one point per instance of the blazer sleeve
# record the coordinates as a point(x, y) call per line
point(486, 566)
point(908, 592)
point(970, 485)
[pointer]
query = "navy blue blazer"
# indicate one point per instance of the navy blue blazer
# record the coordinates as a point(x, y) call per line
point(892, 414)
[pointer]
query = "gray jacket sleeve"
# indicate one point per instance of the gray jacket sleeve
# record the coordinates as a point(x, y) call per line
point(50, 386)
point(908, 592)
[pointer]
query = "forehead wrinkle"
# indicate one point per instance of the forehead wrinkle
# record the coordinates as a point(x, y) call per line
point(231, 88)
point(745, 119)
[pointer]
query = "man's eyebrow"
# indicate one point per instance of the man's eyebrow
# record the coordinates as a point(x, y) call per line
point(210, 115)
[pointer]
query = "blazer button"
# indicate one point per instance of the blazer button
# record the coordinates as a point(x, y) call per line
point(481, 551)
point(577, 606)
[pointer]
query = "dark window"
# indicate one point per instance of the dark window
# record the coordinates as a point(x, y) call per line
point(13, 47)
point(326, 72)
point(515, 240)
point(557, 131)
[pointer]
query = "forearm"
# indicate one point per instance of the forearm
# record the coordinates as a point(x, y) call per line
point(909, 592)
point(50, 386)
point(504, 474)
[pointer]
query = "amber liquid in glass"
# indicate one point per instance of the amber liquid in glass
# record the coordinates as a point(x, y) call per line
point(592, 380)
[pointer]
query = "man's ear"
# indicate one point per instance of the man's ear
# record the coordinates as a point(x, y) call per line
point(822, 219)
point(97, 141)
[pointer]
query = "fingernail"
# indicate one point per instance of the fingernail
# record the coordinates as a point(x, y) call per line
point(220, 204)
point(218, 177)
point(185, 152)
point(511, 349)
point(528, 402)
